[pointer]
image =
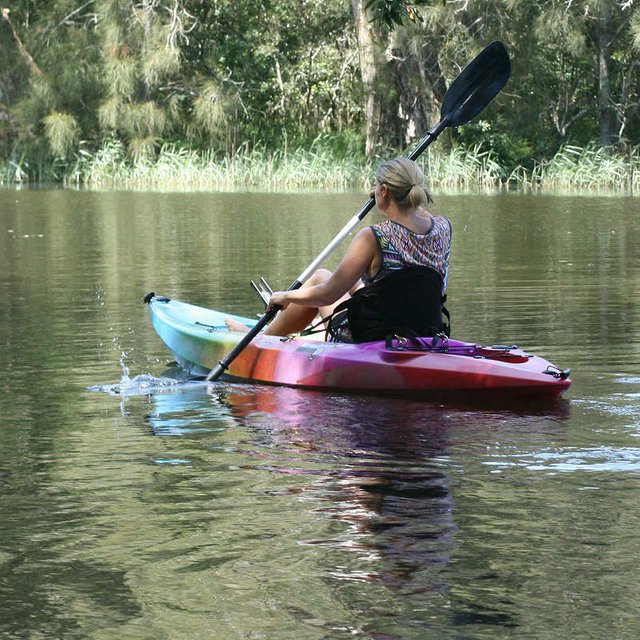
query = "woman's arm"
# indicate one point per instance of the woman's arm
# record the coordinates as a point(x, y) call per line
point(362, 250)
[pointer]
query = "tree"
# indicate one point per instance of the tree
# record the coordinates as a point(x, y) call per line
point(575, 61)
point(609, 45)
point(371, 70)
point(287, 67)
point(211, 75)
point(231, 74)
point(52, 101)
point(418, 49)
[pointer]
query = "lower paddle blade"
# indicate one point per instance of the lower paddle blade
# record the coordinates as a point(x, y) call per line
point(479, 82)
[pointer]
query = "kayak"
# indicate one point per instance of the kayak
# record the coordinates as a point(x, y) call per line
point(426, 367)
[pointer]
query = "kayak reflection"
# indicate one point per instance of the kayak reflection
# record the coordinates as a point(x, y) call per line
point(379, 468)
point(390, 488)
point(374, 465)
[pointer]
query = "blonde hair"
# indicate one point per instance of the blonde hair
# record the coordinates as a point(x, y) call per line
point(405, 181)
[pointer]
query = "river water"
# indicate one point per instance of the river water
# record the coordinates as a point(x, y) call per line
point(136, 504)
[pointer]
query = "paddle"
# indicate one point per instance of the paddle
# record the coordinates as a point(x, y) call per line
point(468, 95)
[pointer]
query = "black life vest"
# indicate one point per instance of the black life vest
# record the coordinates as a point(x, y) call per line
point(407, 302)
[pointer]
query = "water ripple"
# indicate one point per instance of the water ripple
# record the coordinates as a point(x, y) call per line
point(605, 459)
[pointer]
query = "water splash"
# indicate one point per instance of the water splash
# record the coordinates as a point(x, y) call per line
point(125, 369)
point(140, 385)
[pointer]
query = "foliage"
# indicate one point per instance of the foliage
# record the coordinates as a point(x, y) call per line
point(61, 131)
point(80, 78)
point(394, 13)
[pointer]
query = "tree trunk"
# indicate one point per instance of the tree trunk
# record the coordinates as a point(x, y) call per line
point(369, 72)
point(402, 82)
point(26, 56)
point(602, 35)
point(420, 87)
point(381, 96)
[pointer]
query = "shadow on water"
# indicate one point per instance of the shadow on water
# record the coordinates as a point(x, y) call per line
point(379, 469)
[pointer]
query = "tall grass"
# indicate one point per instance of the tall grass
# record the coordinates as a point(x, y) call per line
point(176, 168)
point(13, 172)
point(462, 168)
point(585, 169)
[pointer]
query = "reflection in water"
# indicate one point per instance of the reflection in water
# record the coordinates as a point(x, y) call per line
point(601, 459)
point(388, 486)
point(380, 469)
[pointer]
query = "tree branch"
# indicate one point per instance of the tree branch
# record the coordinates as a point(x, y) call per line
point(31, 63)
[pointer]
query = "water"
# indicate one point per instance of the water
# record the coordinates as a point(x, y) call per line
point(135, 503)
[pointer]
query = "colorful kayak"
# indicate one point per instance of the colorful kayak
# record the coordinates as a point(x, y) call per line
point(428, 367)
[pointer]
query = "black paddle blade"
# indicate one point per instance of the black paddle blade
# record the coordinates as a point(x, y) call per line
point(479, 82)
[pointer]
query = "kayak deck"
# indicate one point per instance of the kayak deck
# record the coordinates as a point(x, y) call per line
point(199, 339)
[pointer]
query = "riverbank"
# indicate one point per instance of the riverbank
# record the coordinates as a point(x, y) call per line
point(175, 169)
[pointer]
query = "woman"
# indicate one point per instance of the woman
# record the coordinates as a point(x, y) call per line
point(396, 261)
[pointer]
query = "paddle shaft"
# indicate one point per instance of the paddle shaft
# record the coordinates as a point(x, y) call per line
point(223, 364)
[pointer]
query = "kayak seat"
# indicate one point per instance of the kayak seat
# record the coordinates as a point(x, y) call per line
point(407, 302)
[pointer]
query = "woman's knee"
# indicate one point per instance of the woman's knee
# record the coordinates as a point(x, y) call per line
point(319, 276)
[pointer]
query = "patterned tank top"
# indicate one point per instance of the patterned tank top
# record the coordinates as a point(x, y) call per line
point(402, 247)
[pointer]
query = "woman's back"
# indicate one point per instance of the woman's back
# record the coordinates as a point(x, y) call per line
point(401, 247)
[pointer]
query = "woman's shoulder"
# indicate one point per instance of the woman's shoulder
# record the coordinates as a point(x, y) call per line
point(442, 221)
point(379, 226)
point(380, 229)
point(367, 237)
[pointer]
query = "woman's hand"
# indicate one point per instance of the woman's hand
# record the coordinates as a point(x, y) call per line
point(278, 299)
